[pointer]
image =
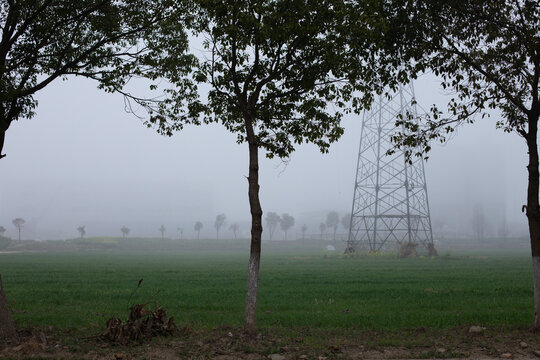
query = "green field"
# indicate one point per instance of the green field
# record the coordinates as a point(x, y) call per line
point(299, 287)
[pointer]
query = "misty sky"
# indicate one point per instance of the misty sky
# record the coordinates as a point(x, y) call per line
point(82, 160)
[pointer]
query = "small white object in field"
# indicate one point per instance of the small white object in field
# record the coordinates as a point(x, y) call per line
point(330, 248)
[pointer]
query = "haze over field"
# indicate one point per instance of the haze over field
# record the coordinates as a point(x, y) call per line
point(84, 161)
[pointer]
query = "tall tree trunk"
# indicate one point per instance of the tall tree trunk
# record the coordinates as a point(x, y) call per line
point(2, 136)
point(7, 328)
point(533, 212)
point(250, 317)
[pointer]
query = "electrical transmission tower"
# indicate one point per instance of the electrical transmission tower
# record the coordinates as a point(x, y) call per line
point(390, 204)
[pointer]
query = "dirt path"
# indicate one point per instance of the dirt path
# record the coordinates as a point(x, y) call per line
point(286, 344)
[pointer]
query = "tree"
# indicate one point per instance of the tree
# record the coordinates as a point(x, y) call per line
point(346, 221)
point(272, 221)
point(304, 229)
point(82, 231)
point(218, 223)
point(234, 228)
point(486, 54)
point(278, 73)
point(162, 231)
point(180, 232)
point(287, 222)
point(125, 231)
point(322, 227)
point(19, 224)
point(332, 222)
point(2, 230)
point(198, 227)
point(108, 41)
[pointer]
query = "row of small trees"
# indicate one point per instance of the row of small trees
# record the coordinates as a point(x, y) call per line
point(218, 224)
point(285, 221)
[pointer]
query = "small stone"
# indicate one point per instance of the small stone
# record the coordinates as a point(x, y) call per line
point(230, 334)
point(120, 355)
point(441, 350)
point(276, 357)
point(537, 353)
point(322, 357)
point(507, 356)
point(475, 329)
point(523, 345)
point(302, 357)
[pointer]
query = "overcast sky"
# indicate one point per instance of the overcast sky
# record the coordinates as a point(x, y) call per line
point(82, 160)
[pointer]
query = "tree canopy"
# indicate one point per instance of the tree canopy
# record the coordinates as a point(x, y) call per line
point(109, 41)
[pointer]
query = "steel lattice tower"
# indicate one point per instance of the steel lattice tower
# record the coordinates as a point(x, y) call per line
point(390, 202)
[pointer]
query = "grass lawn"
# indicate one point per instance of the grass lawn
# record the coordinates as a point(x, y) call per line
point(298, 288)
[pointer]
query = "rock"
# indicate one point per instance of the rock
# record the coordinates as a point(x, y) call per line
point(441, 350)
point(322, 358)
point(120, 356)
point(276, 357)
point(302, 357)
point(475, 329)
point(537, 353)
point(507, 356)
point(523, 345)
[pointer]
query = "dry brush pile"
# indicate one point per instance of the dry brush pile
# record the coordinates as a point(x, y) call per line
point(143, 324)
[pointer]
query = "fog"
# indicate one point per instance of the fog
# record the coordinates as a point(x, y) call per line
point(83, 160)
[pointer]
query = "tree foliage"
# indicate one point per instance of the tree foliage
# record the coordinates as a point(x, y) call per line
point(346, 221)
point(332, 222)
point(219, 222)
point(162, 230)
point(125, 231)
point(198, 227)
point(19, 224)
point(109, 41)
point(234, 228)
point(484, 52)
point(286, 223)
point(82, 231)
point(272, 221)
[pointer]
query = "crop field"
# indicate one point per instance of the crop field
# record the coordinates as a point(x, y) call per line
point(299, 287)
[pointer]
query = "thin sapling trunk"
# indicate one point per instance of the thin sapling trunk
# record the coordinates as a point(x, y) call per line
point(250, 319)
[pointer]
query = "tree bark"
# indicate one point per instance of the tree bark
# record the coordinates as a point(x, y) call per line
point(533, 212)
point(250, 317)
point(7, 327)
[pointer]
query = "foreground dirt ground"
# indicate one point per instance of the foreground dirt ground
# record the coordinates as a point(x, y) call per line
point(285, 344)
